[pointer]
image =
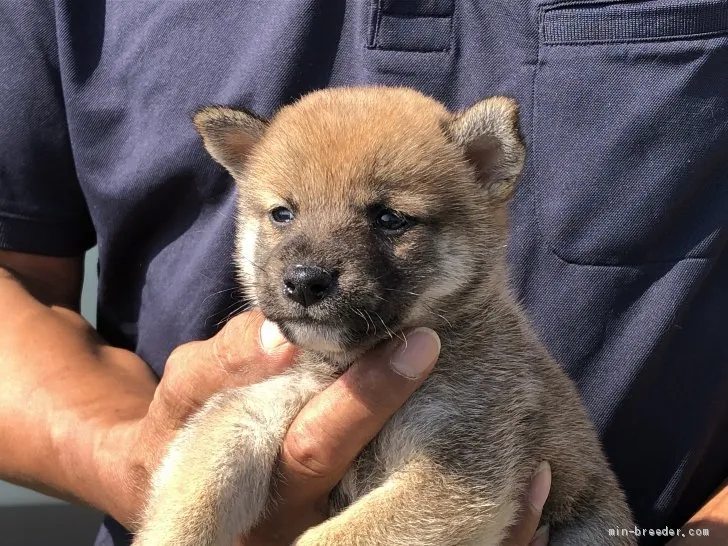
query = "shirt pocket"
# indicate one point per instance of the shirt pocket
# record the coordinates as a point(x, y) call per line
point(630, 130)
point(424, 26)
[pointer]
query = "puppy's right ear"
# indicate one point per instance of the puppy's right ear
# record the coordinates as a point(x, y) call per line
point(488, 133)
point(229, 135)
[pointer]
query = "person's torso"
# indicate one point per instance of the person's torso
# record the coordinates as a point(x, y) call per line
point(619, 225)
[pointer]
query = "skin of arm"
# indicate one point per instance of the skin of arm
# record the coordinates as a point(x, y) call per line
point(713, 516)
point(67, 395)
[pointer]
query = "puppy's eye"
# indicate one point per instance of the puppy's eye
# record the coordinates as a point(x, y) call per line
point(281, 215)
point(391, 221)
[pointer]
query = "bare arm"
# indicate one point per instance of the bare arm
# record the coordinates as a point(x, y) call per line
point(66, 394)
point(713, 516)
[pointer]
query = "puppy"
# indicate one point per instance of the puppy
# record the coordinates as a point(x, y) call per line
point(364, 211)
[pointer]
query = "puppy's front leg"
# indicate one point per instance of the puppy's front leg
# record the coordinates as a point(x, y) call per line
point(418, 505)
point(214, 483)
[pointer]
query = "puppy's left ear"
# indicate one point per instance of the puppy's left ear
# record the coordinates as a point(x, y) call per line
point(489, 135)
point(229, 135)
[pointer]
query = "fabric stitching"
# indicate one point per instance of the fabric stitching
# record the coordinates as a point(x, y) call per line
point(23, 218)
point(682, 17)
point(393, 10)
point(378, 23)
point(655, 39)
point(377, 47)
point(415, 16)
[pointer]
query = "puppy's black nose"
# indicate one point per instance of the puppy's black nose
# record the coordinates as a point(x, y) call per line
point(307, 284)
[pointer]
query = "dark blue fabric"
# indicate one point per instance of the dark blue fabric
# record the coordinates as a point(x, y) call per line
point(620, 224)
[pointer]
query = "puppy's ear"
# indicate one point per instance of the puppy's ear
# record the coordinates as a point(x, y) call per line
point(229, 135)
point(488, 133)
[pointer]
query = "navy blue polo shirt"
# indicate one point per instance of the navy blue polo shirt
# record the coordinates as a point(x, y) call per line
point(619, 227)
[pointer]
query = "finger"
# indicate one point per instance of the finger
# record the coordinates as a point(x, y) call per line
point(541, 538)
point(247, 350)
point(335, 426)
point(526, 532)
point(249, 346)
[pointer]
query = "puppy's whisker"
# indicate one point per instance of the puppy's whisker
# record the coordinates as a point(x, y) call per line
point(386, 330)
point(403, 291)
point(374, 326)
point(359, 313)
point(429, 310)
point(241, 308)
point(235, 304)
point(251, 262)
point(217, 293)
point(423, 301)
point(389, 332)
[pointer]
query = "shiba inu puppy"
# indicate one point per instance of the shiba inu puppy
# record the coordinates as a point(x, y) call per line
point(364, 211)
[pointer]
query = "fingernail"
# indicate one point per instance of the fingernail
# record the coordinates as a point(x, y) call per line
point(540, 485)
point(271, 337)
point(541, 538)
point(417, 355)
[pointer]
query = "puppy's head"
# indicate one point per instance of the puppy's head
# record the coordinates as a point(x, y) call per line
point(366, 210)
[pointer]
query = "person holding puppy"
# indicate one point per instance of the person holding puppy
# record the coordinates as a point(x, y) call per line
point(618, 246)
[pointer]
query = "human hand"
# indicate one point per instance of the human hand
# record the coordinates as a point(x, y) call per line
point(246, 351)
point(526, 532)
point(334, 427)
point(321, 443)
point(709, 525)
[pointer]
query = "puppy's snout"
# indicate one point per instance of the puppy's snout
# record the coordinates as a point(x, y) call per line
point(308, 284)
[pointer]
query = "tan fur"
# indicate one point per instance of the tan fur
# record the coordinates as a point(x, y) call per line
point(452, 464)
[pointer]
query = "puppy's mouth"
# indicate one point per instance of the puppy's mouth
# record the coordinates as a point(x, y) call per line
point(316, 336)
point(335, 336)
point(345, 322)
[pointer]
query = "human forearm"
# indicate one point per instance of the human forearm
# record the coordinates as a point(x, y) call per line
point(65, 399)
point(713, 517)
point(80, 419)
